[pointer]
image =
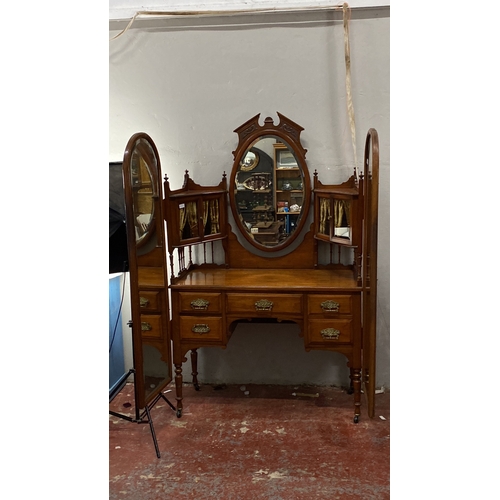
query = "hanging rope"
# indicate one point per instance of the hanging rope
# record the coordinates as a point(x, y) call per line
point(346, 14)
point(350, 107)
point(208, 13)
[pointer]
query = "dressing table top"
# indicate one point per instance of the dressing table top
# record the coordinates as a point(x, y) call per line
point(307, 280)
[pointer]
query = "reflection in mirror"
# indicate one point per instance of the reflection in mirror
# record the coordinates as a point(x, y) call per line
point(211, 219)
point(188, 219)
point(142, 189)
point(250, 161)
point(342, 218)
point(156, 370)
point(269, 191)
point(334, 217)
point(324, 216)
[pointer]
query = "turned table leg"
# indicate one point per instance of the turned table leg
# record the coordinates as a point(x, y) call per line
point(356, 383)
point(178, 388)
point(351, 386)
point(194, 368)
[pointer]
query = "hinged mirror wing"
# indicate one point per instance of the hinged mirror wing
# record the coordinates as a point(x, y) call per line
point(269, 188)
point(196, 216)
point(338, 220)
point(147, 265)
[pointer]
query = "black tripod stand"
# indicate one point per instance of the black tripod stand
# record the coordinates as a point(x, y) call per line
point(139, 416)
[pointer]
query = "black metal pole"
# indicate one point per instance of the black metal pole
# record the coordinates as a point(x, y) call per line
point(153, 432)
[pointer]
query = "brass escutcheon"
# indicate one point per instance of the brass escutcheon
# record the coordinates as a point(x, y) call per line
point(330, 306)
point(145, 326)
point(263, 305)
point(200, 328)
point(330, 334)
point(200, 304)
point(143, 302)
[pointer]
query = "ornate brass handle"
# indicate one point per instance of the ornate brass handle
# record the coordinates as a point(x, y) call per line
point(330, 306)
point(145, 326)
point(200, 304)
point(263, 305)
point(200, 328)
point(143, 302)
point(330, 334)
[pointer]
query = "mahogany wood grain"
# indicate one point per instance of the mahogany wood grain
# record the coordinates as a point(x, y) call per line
point(239, 257)
point(211, 302)
point(151, 277)
point(344, 304)
point(272, 303)
point(304, 280)
point(371, 165)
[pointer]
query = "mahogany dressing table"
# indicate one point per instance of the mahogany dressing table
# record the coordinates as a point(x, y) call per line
point(275, 265)
point(332, 301)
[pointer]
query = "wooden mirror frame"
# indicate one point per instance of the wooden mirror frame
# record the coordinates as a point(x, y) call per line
point(148, 274)
point(289, 132)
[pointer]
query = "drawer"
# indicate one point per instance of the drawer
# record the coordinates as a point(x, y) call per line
point(200, 328)
point(330, 331)
point(330, 304)
point(199, 302)
point(264, 303)
point(151, 326)
point(149, 301)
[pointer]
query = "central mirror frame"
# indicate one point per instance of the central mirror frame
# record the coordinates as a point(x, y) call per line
point(287, 132)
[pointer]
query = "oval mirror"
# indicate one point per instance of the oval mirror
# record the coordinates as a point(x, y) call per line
point(270, 184)
point(142, 161)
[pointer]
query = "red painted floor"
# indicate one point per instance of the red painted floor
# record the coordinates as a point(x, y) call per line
point(267, 444)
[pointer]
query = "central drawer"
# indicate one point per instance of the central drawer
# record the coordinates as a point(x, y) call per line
point(264, 303)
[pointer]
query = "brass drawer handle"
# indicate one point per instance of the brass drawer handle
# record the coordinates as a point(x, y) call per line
point(200, 304)
point(143, 302)
point(200, 328)
point(330, 306)
point(145, 326)
point(263, 305)
point(330, 334)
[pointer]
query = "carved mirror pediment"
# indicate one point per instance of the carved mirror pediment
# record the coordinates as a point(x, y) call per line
point(269, 189)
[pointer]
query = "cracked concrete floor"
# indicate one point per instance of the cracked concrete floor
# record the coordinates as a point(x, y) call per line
point(256, 442)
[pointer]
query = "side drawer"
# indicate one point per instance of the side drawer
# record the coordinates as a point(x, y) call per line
point(264, 303)
point(330, 304)
point(149, 301)
point(200, 327)
point(330, 331)
point(199, 302)
point(151, 326)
